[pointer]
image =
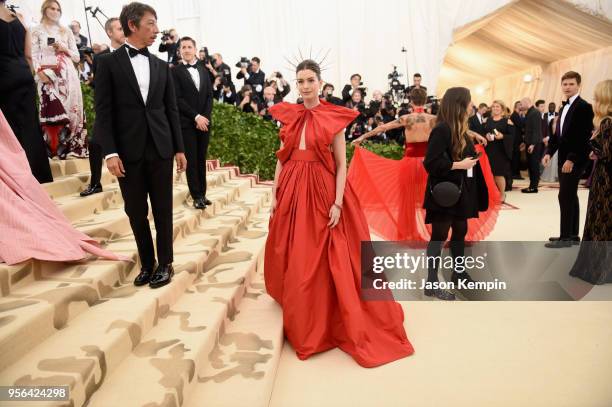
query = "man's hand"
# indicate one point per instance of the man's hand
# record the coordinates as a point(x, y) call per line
point(202, 123)
point(522, 147)
point(530, 149)
point(546, 160)
point(115, 166)
point(568, 166)
point(181, 162)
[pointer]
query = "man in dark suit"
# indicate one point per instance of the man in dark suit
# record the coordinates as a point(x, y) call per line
point(253, 76)
point(416, 84)
point(138, 127)
point(571, 138)
point(195, 101)
point(115, 34)
point(347, 91)
point(533, 144)
point(80, 39)
point(477, 121)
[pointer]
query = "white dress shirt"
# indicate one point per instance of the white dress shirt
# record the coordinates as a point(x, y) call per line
point(565, 110)
point(195, 75)
point(140, 64)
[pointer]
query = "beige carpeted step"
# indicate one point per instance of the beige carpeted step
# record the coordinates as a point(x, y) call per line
point(68, 167)
point(96, 341)
point(242, 367)
point(162, 369)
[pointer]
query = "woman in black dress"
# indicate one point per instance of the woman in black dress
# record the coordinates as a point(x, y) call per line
point(18, 92)
point(500, 136)
point(451, 156)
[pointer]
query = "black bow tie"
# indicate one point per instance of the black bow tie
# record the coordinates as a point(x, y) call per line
point(194, 66)
point(133, 52)
point(565, 102)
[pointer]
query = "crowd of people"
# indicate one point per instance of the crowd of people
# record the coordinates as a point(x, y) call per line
point(152, 114)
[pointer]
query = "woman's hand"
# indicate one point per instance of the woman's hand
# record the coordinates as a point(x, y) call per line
point(59, 48)
point(465, 164)
point(334, 216)
point(43, 78)
point(359, 140)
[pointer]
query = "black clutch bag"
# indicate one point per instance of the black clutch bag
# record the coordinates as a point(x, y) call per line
point(446, 193)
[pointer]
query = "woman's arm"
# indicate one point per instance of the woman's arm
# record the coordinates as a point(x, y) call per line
point(339, 148)
point(277, 171)
point(400, 122)
point(72, 50)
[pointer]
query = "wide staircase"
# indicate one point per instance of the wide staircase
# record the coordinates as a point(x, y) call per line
point(212, 337)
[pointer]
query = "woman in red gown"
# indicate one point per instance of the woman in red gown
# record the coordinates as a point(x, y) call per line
point(391, 191)
point(312, 257)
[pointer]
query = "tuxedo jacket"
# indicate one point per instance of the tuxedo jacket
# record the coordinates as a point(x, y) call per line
point(475, 125)
point(192, 101)
point(572, 140)
point(124, 121)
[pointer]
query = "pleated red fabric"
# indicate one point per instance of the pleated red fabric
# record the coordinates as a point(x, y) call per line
point(391, 194)
point(312, 271)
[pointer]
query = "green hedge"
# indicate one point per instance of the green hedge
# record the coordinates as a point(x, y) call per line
point(245, 139)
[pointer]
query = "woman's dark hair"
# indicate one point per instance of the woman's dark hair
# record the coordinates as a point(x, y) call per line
point(453, 111)
point(310, 65)
point(134, 12)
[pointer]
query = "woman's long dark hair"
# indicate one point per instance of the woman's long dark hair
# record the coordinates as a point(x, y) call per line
point(453, 112)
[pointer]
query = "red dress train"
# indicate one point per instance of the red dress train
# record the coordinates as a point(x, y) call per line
point(313, 271)
point(391, 194)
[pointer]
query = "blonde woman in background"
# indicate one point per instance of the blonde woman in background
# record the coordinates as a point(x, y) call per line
point(54, 54)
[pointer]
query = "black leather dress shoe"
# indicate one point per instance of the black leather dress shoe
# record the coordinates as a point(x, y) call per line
point(558, 244)
point(206, 201)
point(529, 190)
point(199, 204)
point(574, 239)
point(144, 277)
point(92, 189)
point(162, 276)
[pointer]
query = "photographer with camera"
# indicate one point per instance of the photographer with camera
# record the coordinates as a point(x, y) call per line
point(224, 91)
point(280, 85)
point(357, 126)
point(328, 94)
point(269, 100)
point(248, 100)
point(170, 43)
point(252, 75)
point(356, 84)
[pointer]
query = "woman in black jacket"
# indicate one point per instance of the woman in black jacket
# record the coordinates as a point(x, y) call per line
point(451, 156)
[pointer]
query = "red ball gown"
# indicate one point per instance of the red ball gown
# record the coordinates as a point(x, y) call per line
point(391, 193)
point(312, 271)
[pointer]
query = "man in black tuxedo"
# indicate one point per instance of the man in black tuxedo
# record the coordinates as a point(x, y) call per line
point(115, 34)
point(138, 127)
point(253, 76)
point(477, 121)
point(533, 143)
point(195, 101)
point(571, 138)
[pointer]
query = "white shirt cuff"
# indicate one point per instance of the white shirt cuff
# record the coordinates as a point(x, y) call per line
point(110, 156)
point(196, 118)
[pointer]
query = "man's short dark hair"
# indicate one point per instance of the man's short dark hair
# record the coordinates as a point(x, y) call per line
point(109, 23)
point(417, 75)
point(355, 75)
point(480, 106)
point(539, 102)
point(134, 12)
point(328, 85)
point(572, 75)
point(192, 41)
point(553, 104)
point(418, 97)
point(256, 60)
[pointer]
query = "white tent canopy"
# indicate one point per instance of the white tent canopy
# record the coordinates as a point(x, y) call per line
point(361, 36)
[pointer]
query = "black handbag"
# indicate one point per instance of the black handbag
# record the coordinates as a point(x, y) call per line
point(446, 193)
